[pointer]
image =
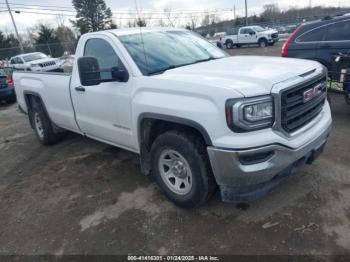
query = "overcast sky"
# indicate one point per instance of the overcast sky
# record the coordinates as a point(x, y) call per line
point(25, 20)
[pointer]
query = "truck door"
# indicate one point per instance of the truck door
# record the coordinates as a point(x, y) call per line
point(103, 111)
point(247, 36)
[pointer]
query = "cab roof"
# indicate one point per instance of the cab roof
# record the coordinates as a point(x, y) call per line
point(137, 30)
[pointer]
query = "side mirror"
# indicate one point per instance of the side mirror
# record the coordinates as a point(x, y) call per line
point(120, 75)
point(89, 71)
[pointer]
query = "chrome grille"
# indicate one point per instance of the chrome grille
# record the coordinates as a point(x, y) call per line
point(296, 111)
point(51, 63)
point(275, 35)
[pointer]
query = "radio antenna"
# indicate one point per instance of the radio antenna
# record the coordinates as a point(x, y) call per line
point(139, 21)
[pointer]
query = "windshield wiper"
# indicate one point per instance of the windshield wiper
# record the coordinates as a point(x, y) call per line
point(160, 71)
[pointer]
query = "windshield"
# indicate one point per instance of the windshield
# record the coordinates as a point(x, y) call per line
point(32, 57)
point(155, 52)
point(258, 29)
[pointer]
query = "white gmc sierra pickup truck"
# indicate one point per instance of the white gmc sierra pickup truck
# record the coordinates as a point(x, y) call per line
point(198, 118)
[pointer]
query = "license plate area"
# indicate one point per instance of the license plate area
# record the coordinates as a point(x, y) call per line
point(315, 153)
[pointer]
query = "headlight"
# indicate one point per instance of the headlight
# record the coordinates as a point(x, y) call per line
point(250, 114)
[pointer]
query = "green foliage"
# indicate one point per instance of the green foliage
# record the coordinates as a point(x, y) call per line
point(47, 41)
point(92, 16)
point(140, 22)
point(7, 42)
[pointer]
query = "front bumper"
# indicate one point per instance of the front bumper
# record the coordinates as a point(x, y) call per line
point(240, 181)
point(273, 40)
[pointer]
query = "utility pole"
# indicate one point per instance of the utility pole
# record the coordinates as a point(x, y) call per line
point(310, 3)
point(14, 25)
point(246, 13)
point(234, 11)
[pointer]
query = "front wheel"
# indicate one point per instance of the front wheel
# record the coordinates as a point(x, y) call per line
point(262, 43)
point(181, 169)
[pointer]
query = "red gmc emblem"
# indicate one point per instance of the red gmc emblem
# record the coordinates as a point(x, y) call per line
point(312, 92)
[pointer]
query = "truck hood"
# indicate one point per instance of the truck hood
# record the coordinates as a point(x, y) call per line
point(270, 31)
point(249, 75)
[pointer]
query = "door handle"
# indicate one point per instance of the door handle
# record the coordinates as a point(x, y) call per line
point(80, 89)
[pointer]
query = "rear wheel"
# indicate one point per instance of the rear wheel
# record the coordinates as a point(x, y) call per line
point(229, 45)
point(42, 125)
point(181, 169)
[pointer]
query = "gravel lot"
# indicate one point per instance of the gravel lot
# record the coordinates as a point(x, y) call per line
point(84, 197)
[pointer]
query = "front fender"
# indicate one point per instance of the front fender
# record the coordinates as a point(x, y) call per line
point(196, 111)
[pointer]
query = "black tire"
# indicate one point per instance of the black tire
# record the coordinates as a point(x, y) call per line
point(47, 136)
point(194, 152)
point(229, 44)
point(238, 46)
point(262, 42)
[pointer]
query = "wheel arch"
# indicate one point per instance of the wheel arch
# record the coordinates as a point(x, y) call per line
point(151, 125)
point(262, 38)
point(29, 98)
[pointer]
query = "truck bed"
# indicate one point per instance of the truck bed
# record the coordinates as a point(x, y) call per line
point(54, 91)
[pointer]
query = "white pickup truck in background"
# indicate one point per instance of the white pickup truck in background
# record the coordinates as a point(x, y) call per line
point(36, 62)
point(198, 118)
point(251, 35)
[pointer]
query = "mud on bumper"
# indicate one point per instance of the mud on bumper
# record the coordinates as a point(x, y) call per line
point(246, 175)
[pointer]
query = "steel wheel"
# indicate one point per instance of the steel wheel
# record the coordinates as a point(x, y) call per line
point(175, 172)
point(38, 125)
point(263, 43)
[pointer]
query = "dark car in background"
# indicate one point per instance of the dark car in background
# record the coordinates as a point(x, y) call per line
point(7, 90)
point(321, 40)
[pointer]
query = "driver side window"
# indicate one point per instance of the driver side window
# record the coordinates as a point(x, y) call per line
point(18, 60)
point(105, 55)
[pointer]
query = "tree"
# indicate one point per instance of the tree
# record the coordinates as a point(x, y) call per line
point(206, 20)
point(271, 12)
point(47, 41)
point(65, 34)
point(92, 16)
point(192, 23)
point(169, 17)
point(2, 39)
point(140, 22)
point(67, 38)
point(10, 45)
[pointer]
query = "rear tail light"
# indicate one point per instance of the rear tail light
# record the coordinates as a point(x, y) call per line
point(9, 80)
point(286, 44)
